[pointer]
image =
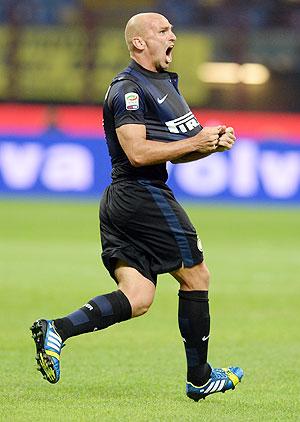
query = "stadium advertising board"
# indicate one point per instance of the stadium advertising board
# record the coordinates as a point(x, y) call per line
point(62, 152)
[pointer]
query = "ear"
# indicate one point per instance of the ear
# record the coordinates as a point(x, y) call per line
point(138, 43)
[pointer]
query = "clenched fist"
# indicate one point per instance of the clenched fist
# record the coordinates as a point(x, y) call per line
point(226, 140)
point(207, 140)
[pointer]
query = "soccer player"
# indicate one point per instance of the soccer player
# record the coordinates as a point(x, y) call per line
point(144, 230)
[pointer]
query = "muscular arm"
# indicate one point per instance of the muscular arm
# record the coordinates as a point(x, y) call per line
point(142, 152)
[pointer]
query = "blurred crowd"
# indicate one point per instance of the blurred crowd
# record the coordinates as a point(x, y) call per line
point(227, 13)
point(42, 41)
point(183, 14)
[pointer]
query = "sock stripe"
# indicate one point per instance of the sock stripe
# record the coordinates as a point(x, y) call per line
point(78, 317)
point(97, 314)
point(104, 305)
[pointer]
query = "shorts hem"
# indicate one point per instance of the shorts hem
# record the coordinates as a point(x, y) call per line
point(120, 255)
point(178, 265)
point(152, 276)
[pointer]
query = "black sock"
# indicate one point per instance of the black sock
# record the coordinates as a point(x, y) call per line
point(194, 325)
point(98, 313)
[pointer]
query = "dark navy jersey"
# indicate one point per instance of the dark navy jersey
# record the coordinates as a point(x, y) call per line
point(139, 96)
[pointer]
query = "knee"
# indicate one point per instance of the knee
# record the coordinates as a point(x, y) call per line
point(140, 305)
point(205, 275)
point(140, 300)
point(196, 280)
point(139, 290)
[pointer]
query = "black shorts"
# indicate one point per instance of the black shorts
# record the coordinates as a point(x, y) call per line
point(142, 224)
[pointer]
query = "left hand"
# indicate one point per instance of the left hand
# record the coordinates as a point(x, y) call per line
point(226, 140)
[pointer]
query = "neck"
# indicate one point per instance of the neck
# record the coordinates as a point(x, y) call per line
point(144, 62)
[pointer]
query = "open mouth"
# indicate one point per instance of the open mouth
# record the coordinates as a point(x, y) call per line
point(169, 54)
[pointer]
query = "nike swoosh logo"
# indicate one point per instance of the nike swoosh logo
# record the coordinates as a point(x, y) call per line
point(161, 100)
point(205, 338)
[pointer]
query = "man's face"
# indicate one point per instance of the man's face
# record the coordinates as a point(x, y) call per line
point(160, 40)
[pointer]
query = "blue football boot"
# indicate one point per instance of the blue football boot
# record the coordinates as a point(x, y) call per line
point(48, 348)
point(221, 380)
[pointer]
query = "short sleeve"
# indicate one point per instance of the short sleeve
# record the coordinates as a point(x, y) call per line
point(127, 103)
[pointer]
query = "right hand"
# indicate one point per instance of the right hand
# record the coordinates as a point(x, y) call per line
point(207, 139)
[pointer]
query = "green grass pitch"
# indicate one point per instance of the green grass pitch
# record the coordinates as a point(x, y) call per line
point(135, 371)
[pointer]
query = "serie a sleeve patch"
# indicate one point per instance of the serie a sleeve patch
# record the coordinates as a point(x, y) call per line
point(132, 101)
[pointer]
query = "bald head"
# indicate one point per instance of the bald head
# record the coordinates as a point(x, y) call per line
point(150, 40)
point(138, 25)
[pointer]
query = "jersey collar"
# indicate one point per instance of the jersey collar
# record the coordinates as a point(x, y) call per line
point(155, 75)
